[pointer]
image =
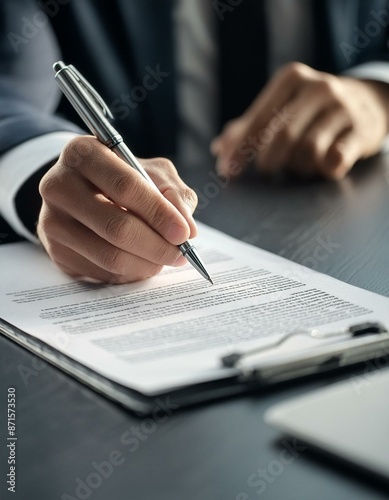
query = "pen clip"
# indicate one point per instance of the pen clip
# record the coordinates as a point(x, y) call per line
point(91, 91)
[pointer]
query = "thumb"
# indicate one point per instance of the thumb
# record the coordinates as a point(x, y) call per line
point(230, 148)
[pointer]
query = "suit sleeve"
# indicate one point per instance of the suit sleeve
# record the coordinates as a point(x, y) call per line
point(29, 98)
point(28, 93)
point(365, 49)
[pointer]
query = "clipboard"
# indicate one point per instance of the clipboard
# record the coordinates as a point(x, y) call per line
point(120, 359)
point(367, 341)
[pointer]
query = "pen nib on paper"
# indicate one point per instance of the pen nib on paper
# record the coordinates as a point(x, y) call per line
point(189, 251)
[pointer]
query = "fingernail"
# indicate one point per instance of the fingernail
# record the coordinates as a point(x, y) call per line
point(221, 166)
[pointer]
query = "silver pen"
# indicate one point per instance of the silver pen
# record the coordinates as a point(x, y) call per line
point(96, 114)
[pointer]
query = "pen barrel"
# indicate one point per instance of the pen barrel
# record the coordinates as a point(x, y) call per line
point(93, 111)
point(186, 247)
point(125, 154)
point(86, 106)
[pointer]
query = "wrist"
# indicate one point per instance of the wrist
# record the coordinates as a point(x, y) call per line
point(380, 92)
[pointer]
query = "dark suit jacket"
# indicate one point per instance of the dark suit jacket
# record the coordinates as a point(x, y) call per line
point(115, 43)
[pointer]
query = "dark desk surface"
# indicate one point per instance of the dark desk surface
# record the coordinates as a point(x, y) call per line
point(213, 451)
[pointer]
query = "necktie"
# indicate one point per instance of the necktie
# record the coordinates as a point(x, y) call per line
point(322, 37)
point(243, 58)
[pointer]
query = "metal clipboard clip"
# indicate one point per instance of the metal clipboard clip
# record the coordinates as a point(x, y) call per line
point(362, 342)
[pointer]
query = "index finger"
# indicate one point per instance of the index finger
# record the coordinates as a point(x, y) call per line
point(126, 187)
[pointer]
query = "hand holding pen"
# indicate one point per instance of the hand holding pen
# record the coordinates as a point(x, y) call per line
point(103, 220)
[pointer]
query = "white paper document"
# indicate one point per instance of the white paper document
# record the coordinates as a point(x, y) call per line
point(171, 330)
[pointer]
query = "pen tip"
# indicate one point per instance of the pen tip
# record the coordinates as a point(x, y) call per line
point(210, 280)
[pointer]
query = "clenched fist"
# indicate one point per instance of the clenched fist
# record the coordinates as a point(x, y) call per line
point(309, 122)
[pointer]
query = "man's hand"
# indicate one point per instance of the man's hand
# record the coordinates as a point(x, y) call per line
point(309, 122)
point(101, 220)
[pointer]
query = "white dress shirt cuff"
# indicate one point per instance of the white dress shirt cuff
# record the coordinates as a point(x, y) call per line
point(374, 70)
point(378, 71)
point(18, 164)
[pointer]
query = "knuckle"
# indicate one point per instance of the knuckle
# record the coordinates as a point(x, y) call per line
point(159, 167)
point(155, 215)
point(287, 136)
point(111, 260)
point(168, 165)
point(116, 229)
point(77, 151)
point(328, 87)
point(163, 164)
point(123, 183)
point(163, 255)
point(293, 71)
point(53, 185)
point(50, 225)
point(47, 185)
point(46, 224)
point(189, 197)
point(150, 210)
point(182, 193)
point(159, 220)
point(133, 237)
